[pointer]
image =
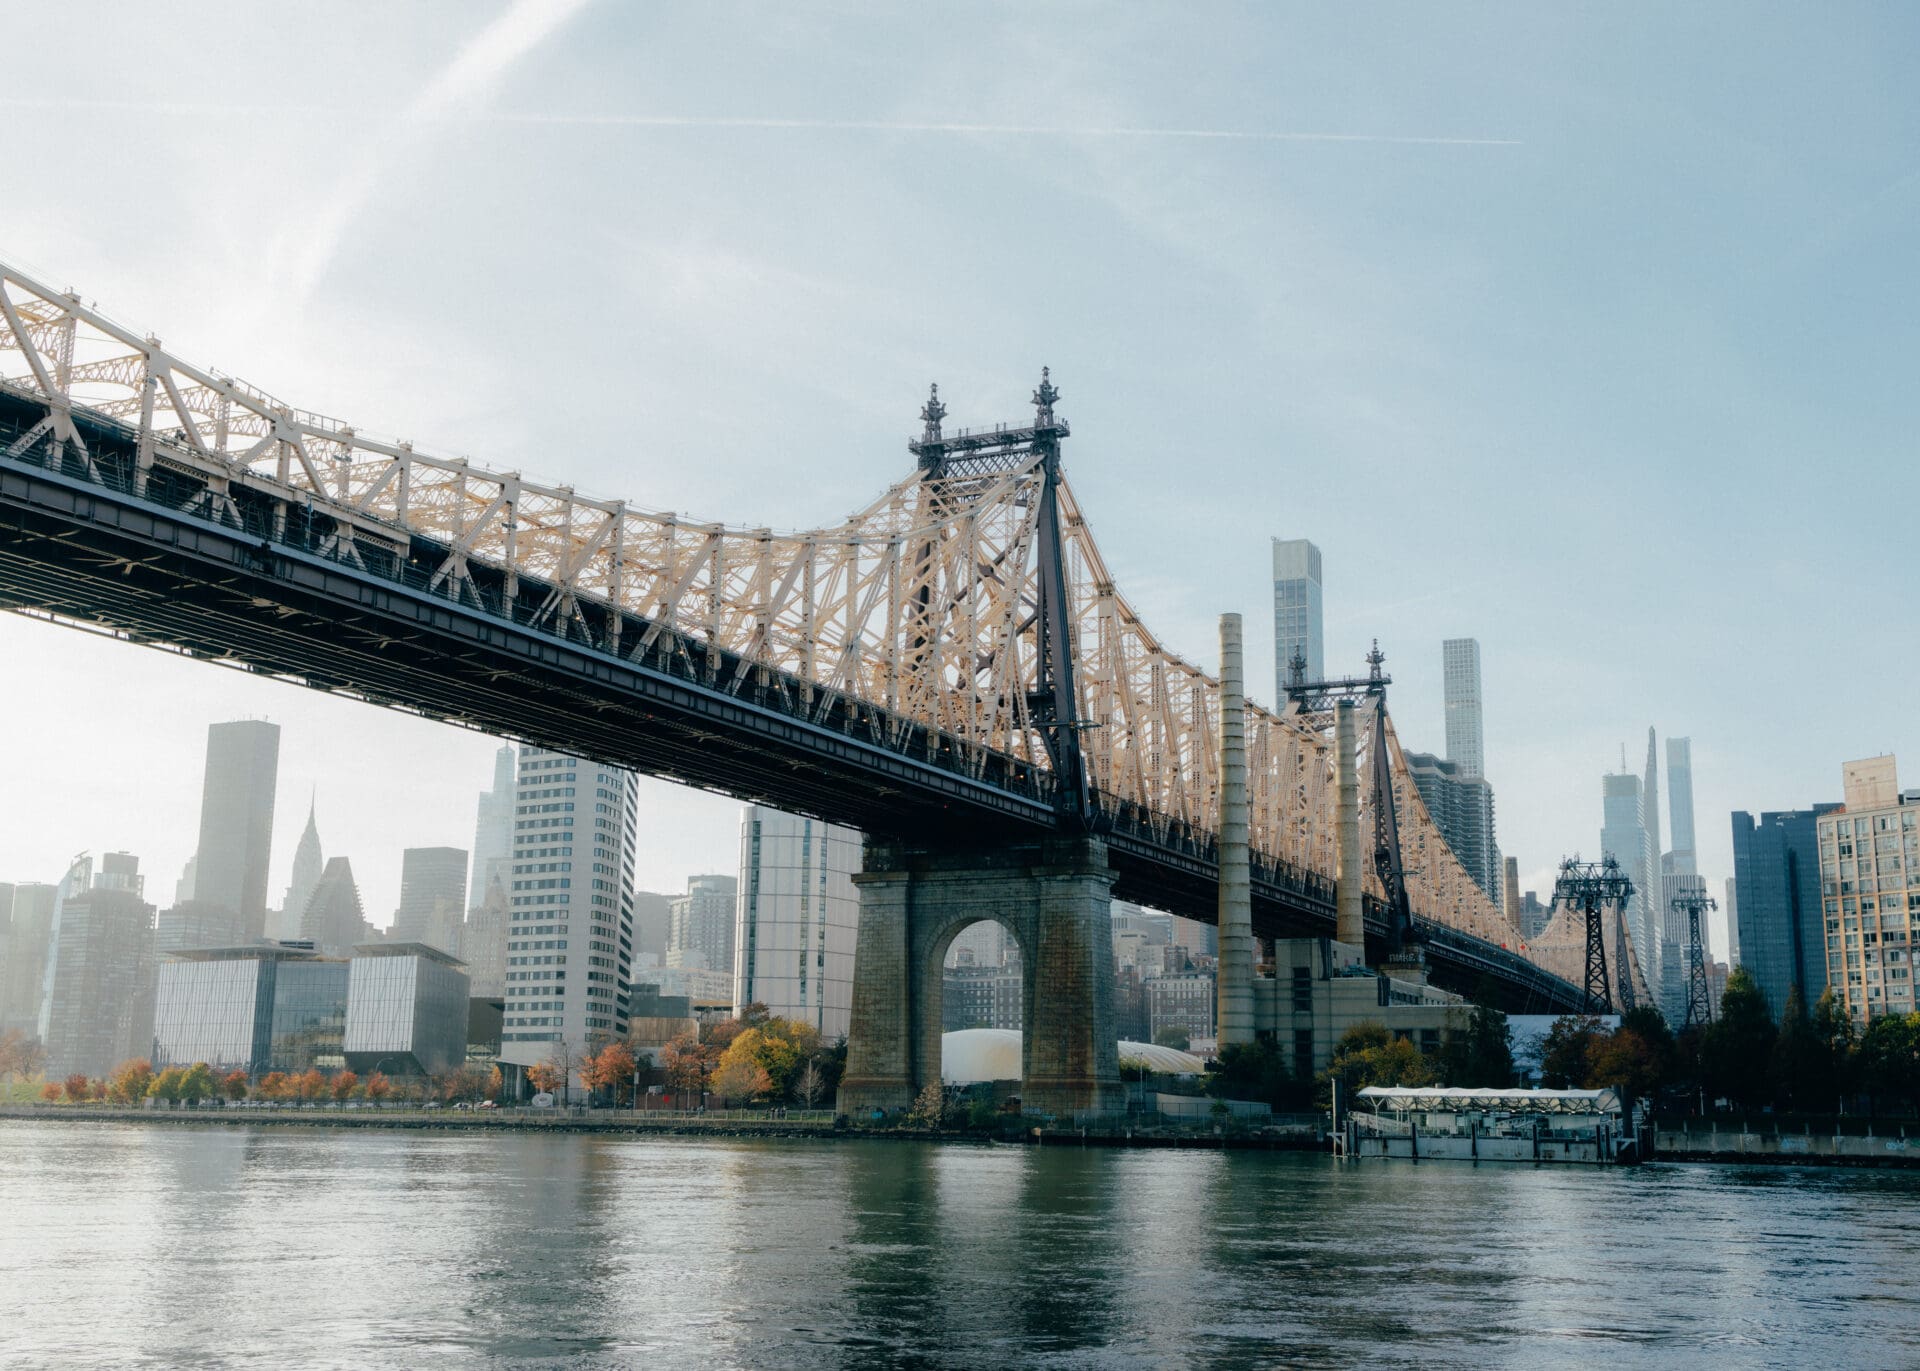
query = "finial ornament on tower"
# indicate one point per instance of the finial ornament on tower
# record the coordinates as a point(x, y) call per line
point(1044, 397)
point(932, 413)
point(1375, 660)
point(1297, 667)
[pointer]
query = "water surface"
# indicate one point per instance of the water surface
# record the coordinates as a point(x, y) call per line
point(233, 1247)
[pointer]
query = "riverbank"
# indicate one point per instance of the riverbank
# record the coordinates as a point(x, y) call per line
point(1892, 1148)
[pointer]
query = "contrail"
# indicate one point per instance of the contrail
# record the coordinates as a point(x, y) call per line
point(438, 112)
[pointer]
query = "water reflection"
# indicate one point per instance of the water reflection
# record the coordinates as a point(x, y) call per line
point(235, 1247)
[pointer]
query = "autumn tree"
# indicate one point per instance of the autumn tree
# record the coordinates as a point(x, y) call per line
point(547, 1077)
point(276, 1085)
point(310, 1084)
point(378, 1087)
point(197, 1084)
point(1367, 1054)
point(742, 1078)
point(166, 1085)
point(50, 1092)
point(1567, 1050)
point(234, 1085)
point(686, 1065)
point(344, 1084)
point(611, 1069)
point(77, 1087)
point(13, 1044)
point(496, 1083)
point(129, 1081)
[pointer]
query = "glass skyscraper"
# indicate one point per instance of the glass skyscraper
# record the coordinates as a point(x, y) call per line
point(1297, 616)
point(1623, 837)
point(1776, 868)
point(406, 1009)
point(799, 915)
point(1460, 668)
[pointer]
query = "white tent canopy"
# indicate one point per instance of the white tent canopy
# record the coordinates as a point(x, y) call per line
point(1401, 1098)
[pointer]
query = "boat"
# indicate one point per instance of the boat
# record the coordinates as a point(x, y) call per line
point(1443, 1123)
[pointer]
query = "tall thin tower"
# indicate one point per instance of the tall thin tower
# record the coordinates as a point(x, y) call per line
point(1460, 664)
point(1685, 859)
point(1298, 622)
point(236, 821)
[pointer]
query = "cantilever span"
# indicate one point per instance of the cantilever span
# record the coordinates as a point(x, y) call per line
point(953, 658)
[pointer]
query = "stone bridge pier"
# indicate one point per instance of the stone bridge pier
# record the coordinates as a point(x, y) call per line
point(1055, 899)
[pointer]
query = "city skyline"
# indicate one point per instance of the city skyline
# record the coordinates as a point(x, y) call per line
point(1447, 386)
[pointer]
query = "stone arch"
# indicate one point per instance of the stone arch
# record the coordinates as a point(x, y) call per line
point(930, 999)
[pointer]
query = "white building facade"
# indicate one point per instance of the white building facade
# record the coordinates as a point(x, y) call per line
point(569, 934)
point(798, 914)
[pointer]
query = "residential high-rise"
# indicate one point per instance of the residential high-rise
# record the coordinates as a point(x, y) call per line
point(1650, 805)
point(1623, 837)
point(1776, 867)
point(798, 916)
point(493, 830)
point(700, 924)
point(980, 944)
point(97, 1006)
point(433, 894)
point(1460, 669)
point(1732, 911)
point(1685, 860)
point(652, 914)
point(1870, 890)
point(25, 967)
point(308, 863)
point(1462, 806)
point(1297, 611)
point(236, 820)
point(334, 920)
point(570, 908)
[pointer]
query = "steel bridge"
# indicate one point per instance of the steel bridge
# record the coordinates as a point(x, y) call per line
point(952, 662)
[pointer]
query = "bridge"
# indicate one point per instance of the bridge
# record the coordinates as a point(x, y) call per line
point(951, 669)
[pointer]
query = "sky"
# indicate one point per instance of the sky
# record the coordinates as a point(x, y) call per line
point(1582, 330)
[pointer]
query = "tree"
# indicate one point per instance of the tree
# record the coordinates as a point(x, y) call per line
point(496, 1083)
point(77, 1087)
point(344, 1084)
point(310, 1084)
point(742, 1079)
point(1737, 1046)
point(611, 1069)
point(686, 1064)
point(1568, 1050)
point(1367, 1054)
point(166, 1086)
point(276, 1085)
point(13, 1054)
point(1252, 1071)
point(129, 1081)
point(1479, 1054)
point(234, 1085)
point(547, 1076)
point(197, 1084)
point(50, 1091)
point(1625, 1061)
point(1890, 1058)
point(1840, 1040)
point(1169, 1035)
point(810, 1085)
point(779, 1046)
point(1802, 1067)
point(929, 1107)
point(378, 1087)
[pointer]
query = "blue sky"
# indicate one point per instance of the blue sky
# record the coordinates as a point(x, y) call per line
point(1590, 337)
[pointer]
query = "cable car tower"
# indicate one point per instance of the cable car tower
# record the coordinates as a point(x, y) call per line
point(1694, 903)
point(1591, 887)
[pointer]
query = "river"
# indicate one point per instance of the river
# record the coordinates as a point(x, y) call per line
point(270, 1247)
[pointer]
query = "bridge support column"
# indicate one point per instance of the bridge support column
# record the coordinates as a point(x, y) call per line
point(1056, 901)
point(1349, 915)
point(1235, 977)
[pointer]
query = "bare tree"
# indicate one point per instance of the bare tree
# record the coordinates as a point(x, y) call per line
point(811, 1084)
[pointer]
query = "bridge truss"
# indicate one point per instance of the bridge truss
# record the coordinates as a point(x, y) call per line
point(966, 614)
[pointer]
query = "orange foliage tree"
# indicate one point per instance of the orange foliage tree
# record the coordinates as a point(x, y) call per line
point(77, 1086)
point(310, 1084)
point(378, 1086)
point(610, 1069)
point(50, 1091)
point(547, 1077)
point(234, 1085)
point(343, 1085)
point(129, 1082)
point(496, 1083)
point(275, 1086)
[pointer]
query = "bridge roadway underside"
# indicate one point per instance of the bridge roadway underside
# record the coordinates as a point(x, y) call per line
point(152, 574)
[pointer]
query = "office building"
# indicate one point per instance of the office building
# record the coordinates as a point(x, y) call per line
point(196, 923)
point(96, 1008)
point(433, 897)
point(1870, 890)
point(570, 907)
point(700, 924)
point(483, 946)
point(1684, 859)
point(25, 966)
point(1298, 626)
point(1732, 910)
point(1776, 866)
point(1623, 837)
point(1462, 806)
point(798, 914)
point(1322, 988)
point(236, 820)
point(652, 914)
point(1460, 671)
point(1200, 941)
point(397, 1008)
point(334, 921)
point(1534, 916)
point(981, 997)
point(407, 1008)
point(1182, 1003)
point(308, 865)
point(986, 943)
point(493, 830)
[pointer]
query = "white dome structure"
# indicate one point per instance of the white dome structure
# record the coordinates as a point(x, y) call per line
point(972, 1055)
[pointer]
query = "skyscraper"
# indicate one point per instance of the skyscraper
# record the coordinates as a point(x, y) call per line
point(1463, 808)
point(334, 920)
point(570, 907)
point(1685, 861)
point(1623, 837)
point(26, 963)
point(1460, 667)
point(97, 1006)
point(493, 830)
point(1297, 612)
point(700, 924)
point(1776, 868)
point(433, 895)
point(1650, 803)
point(1870, 890)
point(236, 820)
point(308, 863)
point(798, 917)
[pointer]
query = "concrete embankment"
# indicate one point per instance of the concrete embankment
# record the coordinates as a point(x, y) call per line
point(1898, 1145)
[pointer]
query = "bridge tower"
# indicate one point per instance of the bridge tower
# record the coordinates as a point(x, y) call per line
point(1055, 897)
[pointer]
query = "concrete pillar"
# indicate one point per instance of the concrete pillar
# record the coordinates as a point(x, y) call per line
point(1071, 1051)
point(1350, 924)
point(878, 1074)
point(1235, 987)
point(1511, 889)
